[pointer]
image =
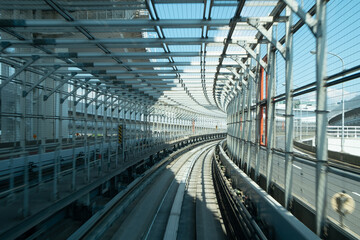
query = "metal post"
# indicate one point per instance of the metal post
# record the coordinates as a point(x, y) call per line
point(23, 149)
point(237, 129)
point(60, 134)
point(42, 136)
point(56, 174)
point(248, 119)
point(73, 176)
point(95, 120)
point(257, 135)
point(289, 115)
point(321, 117)
point(243, 123)
point(300, 121)
point(87, 147)
point(116, 130)
point(270, 113)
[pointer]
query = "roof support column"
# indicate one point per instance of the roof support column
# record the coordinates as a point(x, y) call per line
point(22, 133)
point(249, 119)
point(237, 128)
point(321, 118)
point(257, 133)
point(73, 119)
point(289, 115)
point(318, 28)
point(231, 130)
point(86, 144)
point(242, 127)
point(270, 113)
point(97, 158)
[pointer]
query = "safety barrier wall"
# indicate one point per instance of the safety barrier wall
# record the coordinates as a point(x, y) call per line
point(303, 200)
point(342, 157)
point(279, 223)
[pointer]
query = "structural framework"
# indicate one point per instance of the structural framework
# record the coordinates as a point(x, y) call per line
point(113, 80)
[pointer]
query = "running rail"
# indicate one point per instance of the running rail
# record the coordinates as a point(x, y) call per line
point(282, 223)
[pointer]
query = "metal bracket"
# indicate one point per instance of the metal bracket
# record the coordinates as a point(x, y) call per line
point(233, 70)
point(306, 17)
point(252, 53)
point(105, 102)
point(255, 22)
point(94, 99)
point(62, 100)
point(237, 60)
point(5, 45)
point(81, 98)
point(20, 70)
point(62, 82)
point(25, 93)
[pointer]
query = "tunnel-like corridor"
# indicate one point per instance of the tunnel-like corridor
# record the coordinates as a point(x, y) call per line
point(179, 119)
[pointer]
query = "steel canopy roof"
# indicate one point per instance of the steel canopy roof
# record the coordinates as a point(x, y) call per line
point(176, 52)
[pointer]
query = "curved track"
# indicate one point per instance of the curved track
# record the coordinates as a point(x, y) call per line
point(179, 203)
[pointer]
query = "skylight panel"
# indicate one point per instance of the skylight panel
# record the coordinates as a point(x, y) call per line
point(245, 33)
point(187, 59)
point(184, 48)
point(250, 11)
point(218, 33)
point(189, 68)
point(182, 32)
point(210, 69)
point(214, 50)
point(163, 68)
point(150, 35)
point(188, 76)
point(180, 11)
point(212, 60)
point(158, 60)
point(223, 12)
point(155, 50)
point(235, 49)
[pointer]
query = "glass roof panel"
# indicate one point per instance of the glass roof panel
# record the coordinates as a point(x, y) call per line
point(180, 11)
point(184, 48)
point(182, 32)
point(154, 50)
point(223, 12)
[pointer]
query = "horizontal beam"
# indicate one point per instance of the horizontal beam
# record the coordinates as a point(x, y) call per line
point(95, 72)
point(128, 41)
point(131, 64)
point(133, 55)
point(133, 23)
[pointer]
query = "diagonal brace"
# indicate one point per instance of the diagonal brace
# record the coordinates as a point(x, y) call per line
point(255, 22)
point(94, 99)
point(4, 45)
point(233, 70)
point(252, 53)
point(62, 100)
point(19, 70)
point(251, 73)
point(81, 98)
point(62, 82)
point(106, 104)
point(306, 17)
point(25, 93)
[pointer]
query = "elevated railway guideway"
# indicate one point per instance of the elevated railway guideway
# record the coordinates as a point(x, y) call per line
point(179, 119)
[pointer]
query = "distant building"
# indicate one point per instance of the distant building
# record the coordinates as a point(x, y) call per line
point(352, 113)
